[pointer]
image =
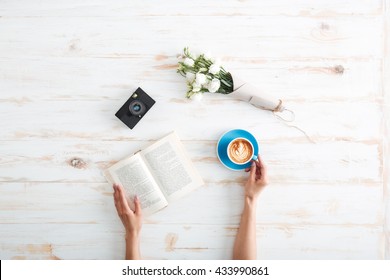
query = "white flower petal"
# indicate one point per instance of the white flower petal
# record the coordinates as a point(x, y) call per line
point(214, 85)
point(200, 78)
point(207, 55)
point(190, 77)
point(196, 87)
point(189, 61)
point(214, 69)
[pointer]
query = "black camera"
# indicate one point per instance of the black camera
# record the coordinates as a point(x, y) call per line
point(135, 108)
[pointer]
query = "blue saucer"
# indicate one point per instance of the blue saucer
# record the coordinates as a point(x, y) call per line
point(224, 141)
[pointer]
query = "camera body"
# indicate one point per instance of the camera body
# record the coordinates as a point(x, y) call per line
point(135, 108)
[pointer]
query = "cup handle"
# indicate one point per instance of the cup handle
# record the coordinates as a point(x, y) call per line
point(254, 157)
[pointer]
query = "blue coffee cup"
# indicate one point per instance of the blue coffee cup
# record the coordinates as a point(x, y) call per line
point(226, 139)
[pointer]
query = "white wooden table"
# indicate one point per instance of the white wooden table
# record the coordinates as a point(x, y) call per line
point(67, 66)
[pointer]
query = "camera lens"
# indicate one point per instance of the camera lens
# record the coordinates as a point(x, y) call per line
point(136, 107)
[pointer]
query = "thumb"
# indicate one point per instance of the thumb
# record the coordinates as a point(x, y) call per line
point(252, 174)
point(137, 206)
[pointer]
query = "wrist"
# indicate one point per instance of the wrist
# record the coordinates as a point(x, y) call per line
point(132, 245)
point(250, 200)
point(132, 235)
point(250, 204)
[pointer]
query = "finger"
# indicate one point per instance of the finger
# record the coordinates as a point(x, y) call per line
point(263, 167)
point(115, 194)
point(122, 199)
point(258, 171)
point(116, 202)
point(260, 161)
point(252, 175)
point(137, 206)
point(114, 188)
point(258, 165)
point(247, 169)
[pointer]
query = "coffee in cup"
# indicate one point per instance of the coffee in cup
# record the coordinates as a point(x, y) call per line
point(240, 151)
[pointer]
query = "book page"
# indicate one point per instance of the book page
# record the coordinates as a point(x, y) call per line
point(171, 167)
point(134, 176)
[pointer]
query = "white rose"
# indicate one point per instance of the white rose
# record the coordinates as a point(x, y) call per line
point(207, 55)
point(189, 61)
point(190, 77)
point(197, 97)
point(196, 87)
point(206, 84)
point(214, 69)
point(214, 85)
point(200, 78)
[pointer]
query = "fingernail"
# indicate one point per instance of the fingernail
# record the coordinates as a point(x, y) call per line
point(136, 198)
point(253, 163)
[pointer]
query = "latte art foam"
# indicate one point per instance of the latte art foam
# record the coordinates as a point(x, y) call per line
point(240, 151)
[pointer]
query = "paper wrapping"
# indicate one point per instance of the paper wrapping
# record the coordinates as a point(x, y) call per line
point(249, 93)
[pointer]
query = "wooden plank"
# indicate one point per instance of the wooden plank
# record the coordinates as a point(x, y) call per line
point(274, 242)
point(122, 37)
point(191, 241)
point(67, 66)
point(386, 126)
point(348, 121)
point(321, 243)
point(229, 8)
point(75, 161)
point(213, 204)
point(35, 80)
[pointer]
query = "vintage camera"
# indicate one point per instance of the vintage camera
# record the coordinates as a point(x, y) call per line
point(135, 108)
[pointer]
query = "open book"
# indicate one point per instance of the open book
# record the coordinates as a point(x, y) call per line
point(157, 174)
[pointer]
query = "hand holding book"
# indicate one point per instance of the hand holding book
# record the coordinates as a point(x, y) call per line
point(132, 221)
point(158, 174)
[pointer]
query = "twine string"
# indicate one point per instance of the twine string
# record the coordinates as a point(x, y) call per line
point(287, 123)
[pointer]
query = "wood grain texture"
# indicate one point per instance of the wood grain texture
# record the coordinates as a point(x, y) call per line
point(301, 79)
point(51, 161)
point(386, 142)
point(122, 37)
point(98, 8)
point(66, 67)
point(194, 241)
point(316, 204)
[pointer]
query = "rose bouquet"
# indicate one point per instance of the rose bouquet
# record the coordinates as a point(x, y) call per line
point(206, 74)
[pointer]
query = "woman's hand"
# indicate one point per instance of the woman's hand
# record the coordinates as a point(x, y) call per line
point(132, 220)
point(245, 247)
point(257, 180)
